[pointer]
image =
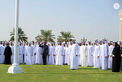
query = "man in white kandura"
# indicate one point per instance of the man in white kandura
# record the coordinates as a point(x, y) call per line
point(84, 55)
point(2, 53)
point(21, 52)
point(111, 47)
point(90, 54)
point(100, 44)
point(25, 53)
point(66, 53)
point(69, 53)
point(33, 56)
point(51, 53)
point(104, 55)
point(12, 49)
point(38, 54)
point(59, 51)
point(79, 54)
point(74, 56)
point(29, 54)
point(96, 55)
point(54, 55)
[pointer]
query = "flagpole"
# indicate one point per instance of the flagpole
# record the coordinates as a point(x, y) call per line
point(15, 68)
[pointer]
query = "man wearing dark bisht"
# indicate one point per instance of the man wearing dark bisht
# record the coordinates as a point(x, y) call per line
point(116, 58)
point(7, 54)
point(121, 53)
point(45, 51)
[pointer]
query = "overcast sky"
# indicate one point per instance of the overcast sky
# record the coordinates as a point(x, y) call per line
point(93, 19)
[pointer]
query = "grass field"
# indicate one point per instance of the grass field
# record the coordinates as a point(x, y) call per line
point(52, 73)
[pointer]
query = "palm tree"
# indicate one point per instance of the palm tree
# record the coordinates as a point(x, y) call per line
point(60, 39)
point(65, 36)
point(83, 39)
point(21, 35)
point(105, 39)
point(45, 35)
point(38, 38)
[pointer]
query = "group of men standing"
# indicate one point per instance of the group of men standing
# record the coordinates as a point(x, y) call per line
point(28, 53)
point(97, 54)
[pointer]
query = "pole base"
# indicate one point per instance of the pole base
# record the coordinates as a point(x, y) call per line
point(15, 69)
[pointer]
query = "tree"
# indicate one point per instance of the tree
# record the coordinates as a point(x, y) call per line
point(60, 39)
point(21, 35)
point(65, 37)
point(38, 38)
point(83, 39)
point(105, 39)
point(45, 35)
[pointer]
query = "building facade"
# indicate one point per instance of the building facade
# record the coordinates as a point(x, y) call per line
point(120, 14)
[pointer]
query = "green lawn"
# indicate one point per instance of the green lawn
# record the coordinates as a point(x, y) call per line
point(52, 73)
